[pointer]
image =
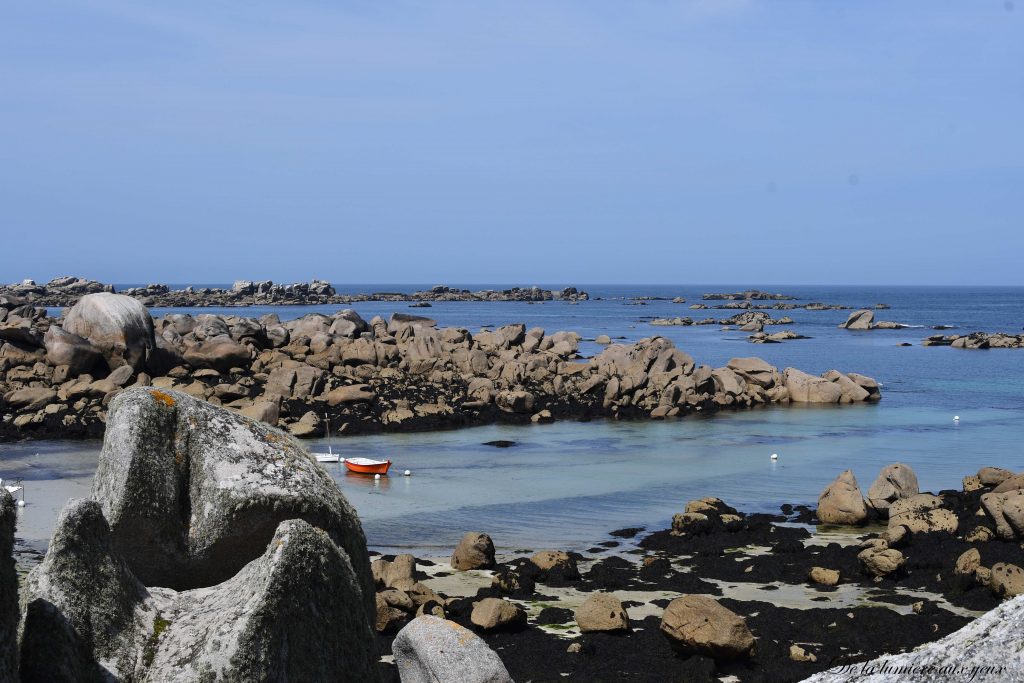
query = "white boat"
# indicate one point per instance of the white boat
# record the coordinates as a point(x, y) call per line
point(330, 455)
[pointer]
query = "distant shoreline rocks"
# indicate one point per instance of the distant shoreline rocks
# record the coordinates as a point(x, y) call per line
point(65, 291)
point(357, 376)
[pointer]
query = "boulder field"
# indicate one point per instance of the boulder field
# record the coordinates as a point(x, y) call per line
point(213, 547)
point(58, 376)
point(725, 595)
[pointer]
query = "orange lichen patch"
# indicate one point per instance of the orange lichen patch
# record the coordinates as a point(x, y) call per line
point(164, 398)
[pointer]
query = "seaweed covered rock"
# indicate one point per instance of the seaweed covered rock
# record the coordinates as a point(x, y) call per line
point(193, 492)
point(293, 613)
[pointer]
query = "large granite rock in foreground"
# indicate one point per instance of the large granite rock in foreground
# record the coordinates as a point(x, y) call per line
point(986, 650)
point(8, 590)
point(193, 492)
point(294, 613)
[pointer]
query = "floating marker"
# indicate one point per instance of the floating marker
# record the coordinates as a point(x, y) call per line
point(21, 503)
point(956, 418)
point(376, 477)
point(407, 473)
point(775, 456)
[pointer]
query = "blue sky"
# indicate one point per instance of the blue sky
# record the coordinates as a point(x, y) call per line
point(711, 141)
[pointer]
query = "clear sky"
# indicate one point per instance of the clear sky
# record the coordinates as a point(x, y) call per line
point(711, 141)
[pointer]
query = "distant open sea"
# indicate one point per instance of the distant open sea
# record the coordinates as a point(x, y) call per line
point(567, 484)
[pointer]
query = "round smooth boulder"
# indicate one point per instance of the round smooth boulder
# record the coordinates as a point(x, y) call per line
point(118, 326)
point(697, 624)
point(602, 612)
point(475, 551)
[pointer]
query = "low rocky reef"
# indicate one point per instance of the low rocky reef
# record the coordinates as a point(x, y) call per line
point(864, 319)
point(212, 547)
point(57, 376)
point(723, 593)
point(977, 340)
point(747, 295)
point(65, 291)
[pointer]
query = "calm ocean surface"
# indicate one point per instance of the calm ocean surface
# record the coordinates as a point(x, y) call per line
point(568, 484)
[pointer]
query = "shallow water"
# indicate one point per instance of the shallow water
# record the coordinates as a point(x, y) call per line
point(567, 484)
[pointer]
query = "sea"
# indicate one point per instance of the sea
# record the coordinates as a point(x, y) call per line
point(568, 484)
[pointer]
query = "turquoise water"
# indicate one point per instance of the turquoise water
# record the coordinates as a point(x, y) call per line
point(567, 484)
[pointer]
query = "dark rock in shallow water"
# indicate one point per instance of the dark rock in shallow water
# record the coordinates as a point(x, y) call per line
point(500, 443)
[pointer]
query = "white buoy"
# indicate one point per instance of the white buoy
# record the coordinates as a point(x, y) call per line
point(376, 476)
point(775, 456)
point(956, 418)
point(21, 503)
point(407, 473)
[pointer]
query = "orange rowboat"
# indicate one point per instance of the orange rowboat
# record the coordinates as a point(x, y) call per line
point(367, 466)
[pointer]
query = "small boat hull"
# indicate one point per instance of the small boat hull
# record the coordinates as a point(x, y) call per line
point(327, 457)
point(366, 466)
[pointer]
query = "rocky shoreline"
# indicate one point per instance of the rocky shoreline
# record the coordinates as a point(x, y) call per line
point(759, 597)
point(273, 579)
point(67, 290)
point(58, 375)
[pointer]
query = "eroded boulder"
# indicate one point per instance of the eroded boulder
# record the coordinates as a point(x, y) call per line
point(293, 613)
point(192, 492)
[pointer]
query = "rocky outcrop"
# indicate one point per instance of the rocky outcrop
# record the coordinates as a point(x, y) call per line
point(865, 320)
point(977, 340)
point(8, 591)
point(192, 492)
point(347, 374)
point(842, 502)
point(894, 482)
point(293, 613)
point(431, 649)
point(986, 650)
